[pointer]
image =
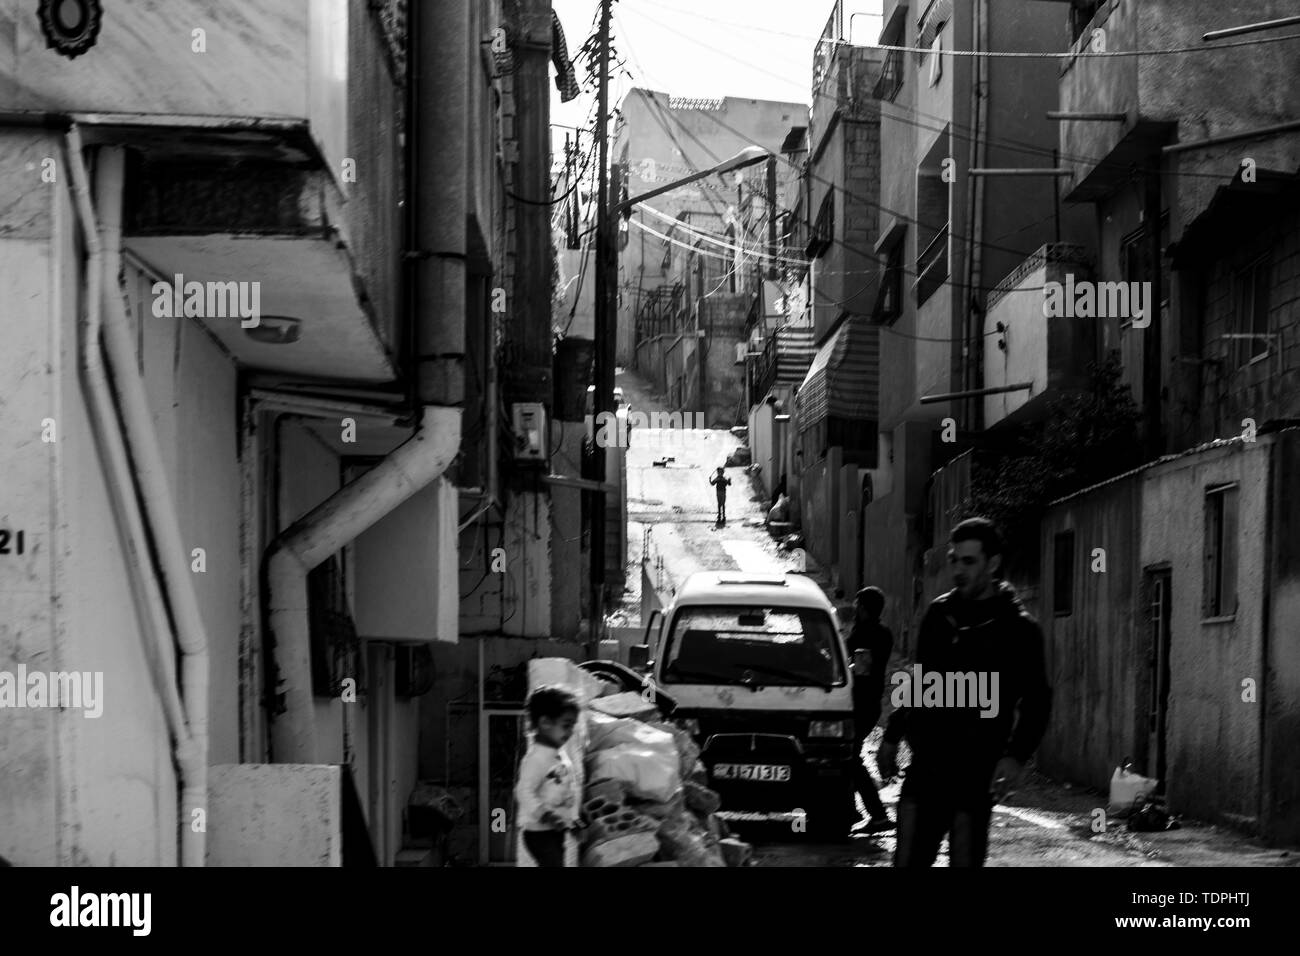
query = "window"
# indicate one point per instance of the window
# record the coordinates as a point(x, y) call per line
point(1135, 260)
point(823, 231)
point(1220, 588)
point(1252, 301)
point(889, 304)
point(335, 646)
point(1081, 14)
point(932, 197)
point(769, 646)
point(1063, 574)
point(891, 74)
point(936, 58)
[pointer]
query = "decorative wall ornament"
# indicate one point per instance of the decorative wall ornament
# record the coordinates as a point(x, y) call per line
point(70, 26)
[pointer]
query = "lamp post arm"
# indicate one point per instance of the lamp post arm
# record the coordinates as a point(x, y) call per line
point(618, 209)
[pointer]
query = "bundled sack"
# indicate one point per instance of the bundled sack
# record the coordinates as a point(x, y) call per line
point(1128, 790)
point(687, 749)
point(680, 841)
point(604, 732)
point(627, 704)
point(647, 769)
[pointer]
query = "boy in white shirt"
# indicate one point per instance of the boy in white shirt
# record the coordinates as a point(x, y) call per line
point(547, 791)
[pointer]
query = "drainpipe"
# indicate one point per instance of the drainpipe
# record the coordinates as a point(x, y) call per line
point(973, 370)
point(439, 201)
point(189, 734)
point(117, 469)
point(421, 460)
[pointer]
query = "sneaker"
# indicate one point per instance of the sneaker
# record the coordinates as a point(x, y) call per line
point(881, 825)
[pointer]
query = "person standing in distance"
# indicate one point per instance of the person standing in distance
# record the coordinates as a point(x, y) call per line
point(870, 644)
point(720, 481)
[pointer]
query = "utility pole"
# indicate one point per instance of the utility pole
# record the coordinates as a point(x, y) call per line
point(604, 370)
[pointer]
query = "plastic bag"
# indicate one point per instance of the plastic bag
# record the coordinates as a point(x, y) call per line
point(1128, 790)
point(604, 732)
point(650, 771)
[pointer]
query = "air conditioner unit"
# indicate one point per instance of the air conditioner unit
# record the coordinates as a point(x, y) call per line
point(530, 431)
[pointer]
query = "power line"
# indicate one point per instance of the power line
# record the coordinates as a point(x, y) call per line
point(1016, 145)
point(1010, 54)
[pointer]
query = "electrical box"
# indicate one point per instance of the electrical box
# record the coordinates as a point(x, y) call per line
point(530, 431)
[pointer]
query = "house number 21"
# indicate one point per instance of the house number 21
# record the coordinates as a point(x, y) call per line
point(6, 537)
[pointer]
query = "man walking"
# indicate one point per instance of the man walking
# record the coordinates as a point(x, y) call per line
point(869, 645)
point(966, 758)
point(720, 482)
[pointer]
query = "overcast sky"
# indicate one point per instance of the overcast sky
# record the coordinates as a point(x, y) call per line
point(758, 49)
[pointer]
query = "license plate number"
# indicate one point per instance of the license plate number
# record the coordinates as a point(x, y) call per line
point(761, 772)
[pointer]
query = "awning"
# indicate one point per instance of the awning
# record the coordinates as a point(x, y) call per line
point(844, 378)
point(795, 351)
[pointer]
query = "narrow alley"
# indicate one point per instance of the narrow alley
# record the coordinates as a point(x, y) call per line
point(670, 506)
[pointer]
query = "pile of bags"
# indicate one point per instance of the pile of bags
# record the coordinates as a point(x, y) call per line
point(645, 802)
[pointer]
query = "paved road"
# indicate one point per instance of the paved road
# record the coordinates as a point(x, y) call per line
point(1044, 824)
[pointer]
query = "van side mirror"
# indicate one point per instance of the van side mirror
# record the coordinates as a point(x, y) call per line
point(638, 656)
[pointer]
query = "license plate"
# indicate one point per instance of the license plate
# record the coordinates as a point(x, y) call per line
point(761, 772)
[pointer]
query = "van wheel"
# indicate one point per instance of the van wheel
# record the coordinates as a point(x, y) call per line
point(831, 815)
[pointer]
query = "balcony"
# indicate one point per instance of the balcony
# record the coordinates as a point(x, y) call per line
point(1022, 344)
point(1217, 91)
point(263, 151)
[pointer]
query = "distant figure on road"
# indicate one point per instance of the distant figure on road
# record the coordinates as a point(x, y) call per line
point(870, 644)
point(720, 482)
point(967, 758)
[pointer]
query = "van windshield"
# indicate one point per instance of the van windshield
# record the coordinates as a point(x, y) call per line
point(754, 646)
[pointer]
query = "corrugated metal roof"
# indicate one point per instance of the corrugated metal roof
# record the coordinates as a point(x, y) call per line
point(1164, 459)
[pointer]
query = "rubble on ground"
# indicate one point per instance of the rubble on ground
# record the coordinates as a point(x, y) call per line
point(646, 802)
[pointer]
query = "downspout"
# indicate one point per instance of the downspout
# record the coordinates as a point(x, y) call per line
point(973, 373)
point(118, 470)
point(338, 520)
point(191, 739)
point(439, 201)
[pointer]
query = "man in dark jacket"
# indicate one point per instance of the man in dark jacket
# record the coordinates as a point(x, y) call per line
point(870, 644)
point(966, 758)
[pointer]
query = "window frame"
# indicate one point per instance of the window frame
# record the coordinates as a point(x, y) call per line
point(1063, 544)
point(1255, 276)
point(1219, 552)
point(936, 56)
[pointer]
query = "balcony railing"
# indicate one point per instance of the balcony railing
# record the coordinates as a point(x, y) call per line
point(661, 311)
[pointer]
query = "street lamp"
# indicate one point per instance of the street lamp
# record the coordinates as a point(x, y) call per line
point(749, 156)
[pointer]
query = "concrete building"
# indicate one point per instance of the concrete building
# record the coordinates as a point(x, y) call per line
point(945, 240)
point(1161, 591)
point(685, 291)
point(1190, 633)
point(254, 336)
point(836, 407)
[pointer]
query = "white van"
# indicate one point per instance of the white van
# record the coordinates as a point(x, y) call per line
point(757, 667)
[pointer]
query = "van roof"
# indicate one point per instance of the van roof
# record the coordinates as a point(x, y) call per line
point(740, 587)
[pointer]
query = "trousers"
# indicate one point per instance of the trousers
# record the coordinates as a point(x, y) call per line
point(546, 846)
point(923, 822)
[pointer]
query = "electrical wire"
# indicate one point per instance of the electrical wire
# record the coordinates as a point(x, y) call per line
point(1169, 51)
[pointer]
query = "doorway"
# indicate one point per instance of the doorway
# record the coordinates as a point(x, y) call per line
point(1159, 588)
